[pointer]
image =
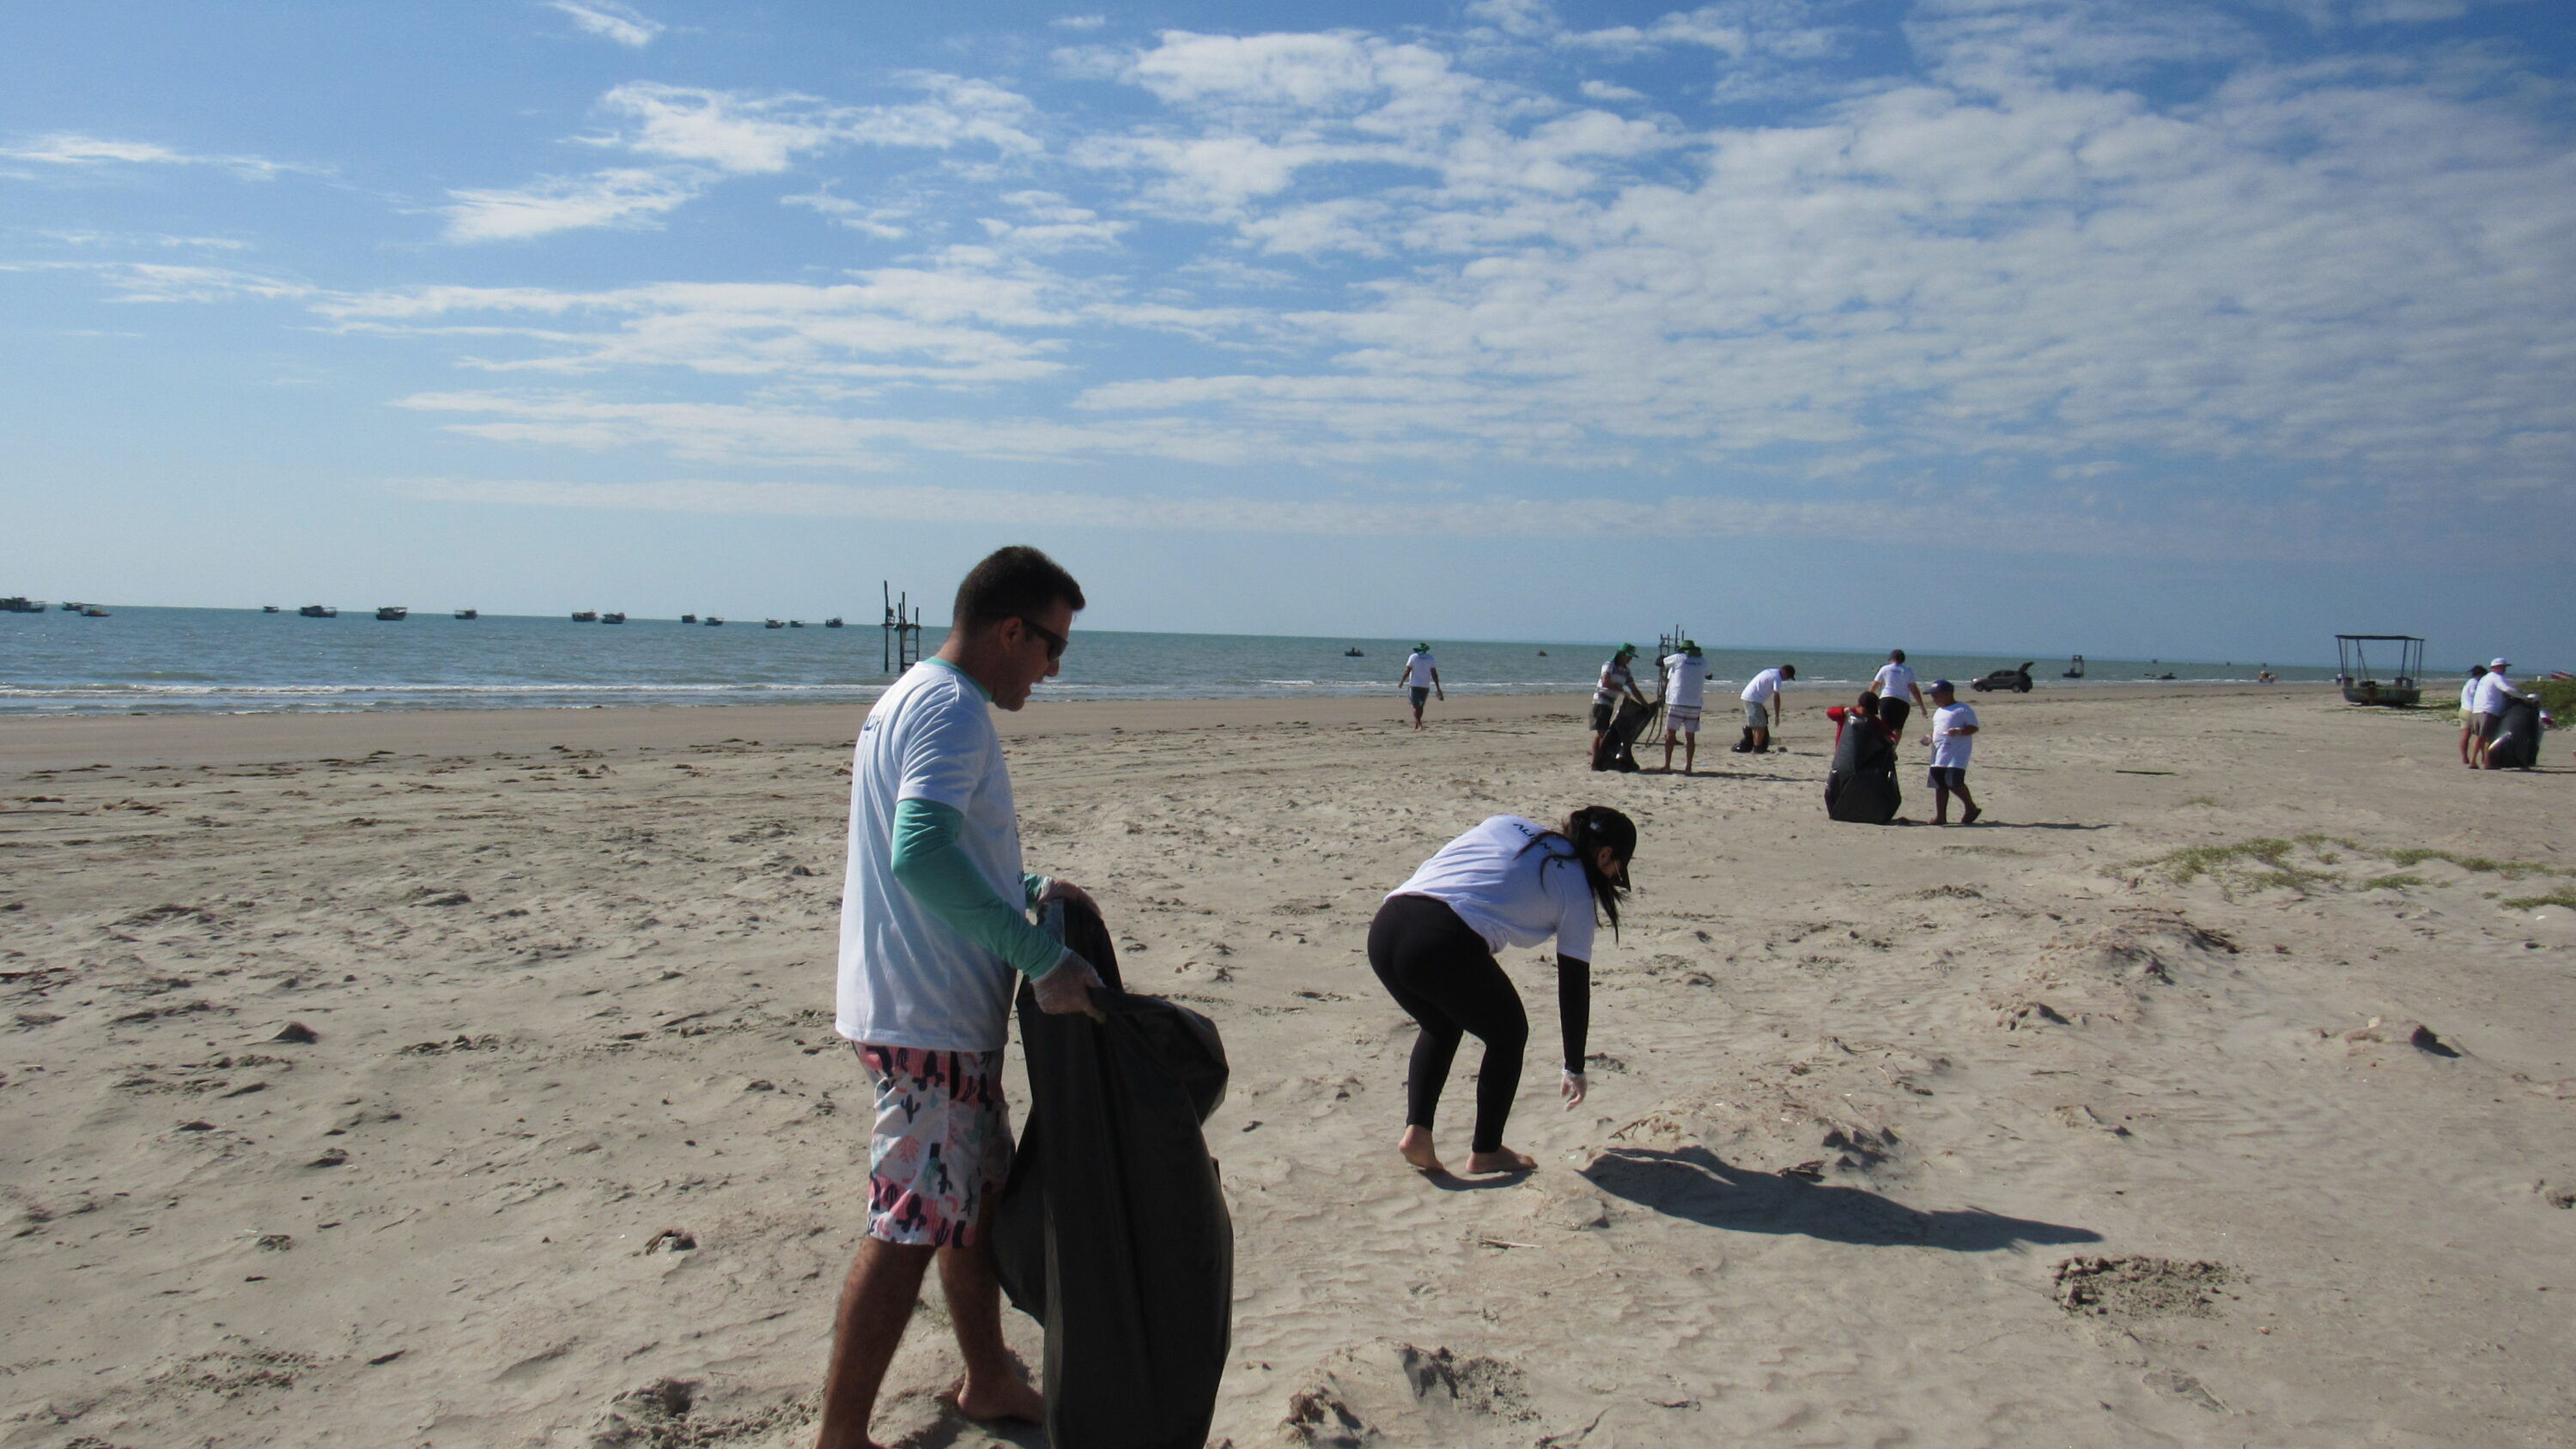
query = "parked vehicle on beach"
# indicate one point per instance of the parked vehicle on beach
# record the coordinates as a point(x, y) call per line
point(2016, 680)
point(392, 613)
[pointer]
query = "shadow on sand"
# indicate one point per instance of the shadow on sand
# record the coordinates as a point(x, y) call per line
point(1694, 1183)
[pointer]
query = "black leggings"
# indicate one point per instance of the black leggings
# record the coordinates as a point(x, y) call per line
point(1446, 979)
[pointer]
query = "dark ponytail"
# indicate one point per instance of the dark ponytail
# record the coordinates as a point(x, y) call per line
point(1587, 830)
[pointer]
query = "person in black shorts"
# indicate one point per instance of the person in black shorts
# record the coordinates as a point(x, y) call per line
point(1508, 882)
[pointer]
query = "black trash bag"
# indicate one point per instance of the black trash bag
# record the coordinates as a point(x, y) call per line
point(1112, 1230)
point(1619, 742)
point(2513, 741)
point(1861, 787)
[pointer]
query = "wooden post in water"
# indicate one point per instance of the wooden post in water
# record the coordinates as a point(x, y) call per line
point(902, 631)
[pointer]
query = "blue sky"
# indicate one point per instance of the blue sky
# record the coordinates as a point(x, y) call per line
point(2161, 328)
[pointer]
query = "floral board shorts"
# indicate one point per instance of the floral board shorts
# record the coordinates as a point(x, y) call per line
point(941, 1145)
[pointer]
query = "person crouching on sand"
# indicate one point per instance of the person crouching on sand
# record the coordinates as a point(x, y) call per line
point(1508, 882)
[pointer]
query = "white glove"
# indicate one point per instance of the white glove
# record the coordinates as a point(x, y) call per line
point(1571, 1089)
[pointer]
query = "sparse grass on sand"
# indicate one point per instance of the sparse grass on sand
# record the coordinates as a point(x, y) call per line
point(2303, 862)
point(2565, 898)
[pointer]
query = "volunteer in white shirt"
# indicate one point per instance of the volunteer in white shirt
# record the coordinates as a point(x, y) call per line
point(1762, 706)
point(1618, 682)
point(1685, 692)
point(1508, 882)
point(2469, 715)
point(1953, 739)
point(1895, 687)
point(1422, 676)
point(935, 939)
point(2494, 692)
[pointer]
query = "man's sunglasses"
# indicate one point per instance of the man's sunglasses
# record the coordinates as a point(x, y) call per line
point(1055, 642)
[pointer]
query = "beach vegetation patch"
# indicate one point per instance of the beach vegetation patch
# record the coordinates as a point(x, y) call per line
point(2393, 882)
point(2304, 863)
point(2566, 898)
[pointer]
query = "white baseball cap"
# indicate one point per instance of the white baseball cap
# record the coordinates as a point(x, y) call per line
point(2499, 664)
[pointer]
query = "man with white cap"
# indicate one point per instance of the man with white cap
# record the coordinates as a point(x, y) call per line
point(2494, 692)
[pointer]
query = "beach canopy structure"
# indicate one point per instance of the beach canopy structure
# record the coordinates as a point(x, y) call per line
point(2361, 684)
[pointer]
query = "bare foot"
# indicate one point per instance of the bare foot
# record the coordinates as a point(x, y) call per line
point(1007, 1399)
point(1501, 1159)
point(1415, 1145)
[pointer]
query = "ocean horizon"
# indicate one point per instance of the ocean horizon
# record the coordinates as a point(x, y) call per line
point(154, 660)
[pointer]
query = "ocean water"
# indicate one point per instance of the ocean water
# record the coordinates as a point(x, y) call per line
point(151, 660)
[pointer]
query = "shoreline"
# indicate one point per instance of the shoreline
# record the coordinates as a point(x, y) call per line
point(56, 742)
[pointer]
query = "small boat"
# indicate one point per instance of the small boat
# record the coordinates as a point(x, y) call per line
point(714, 619)
point(612, 618)
point(773, 624)
point(1542, 654)
point(833, 622)
point(2359, 680)
point(469, 613)
point(21, 604)
point(71, 608)
point(1353, 654)
point(268, 608)
point(318, 611)
point(586, 616)
point(688, 618)
point(92, 611)
point(392, 613)
point(795, 623)
point(2074, 668)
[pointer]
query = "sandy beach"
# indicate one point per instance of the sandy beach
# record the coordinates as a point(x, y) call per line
point(469, 1079)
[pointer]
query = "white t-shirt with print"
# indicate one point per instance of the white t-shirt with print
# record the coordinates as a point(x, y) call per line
point(1764, 688)
point(1947, 748)
point(1616, 681)
point(908, 978)
point(1895, 681)
point(2493, 692)
point(1685, 680)
point(1508, 892)
point(1417, 670)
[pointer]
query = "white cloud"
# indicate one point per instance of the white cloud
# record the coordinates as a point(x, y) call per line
point(69, 148)
point(611, 21)
point(626, 196)
point(1601, 90)
point(162, 282)
point(1079, 22)
point(748, 134)
point(876, 221)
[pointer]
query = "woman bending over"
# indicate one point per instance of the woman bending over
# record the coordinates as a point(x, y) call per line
point(1507, 882)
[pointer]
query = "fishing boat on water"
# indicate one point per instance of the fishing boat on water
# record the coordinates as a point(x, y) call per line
point(92, 611)
point(585, 616)
point(713, 620)
point(71, 608)
point(392, 613)
point(318, 611)
point(469, 613)
point(21, 604)
point(688, 618)
point(270, 609)
point(612, 618)
point(773, 624)
point(833, 622)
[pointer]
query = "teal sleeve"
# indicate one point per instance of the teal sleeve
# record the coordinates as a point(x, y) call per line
point(930, 864)
point(1031, 887)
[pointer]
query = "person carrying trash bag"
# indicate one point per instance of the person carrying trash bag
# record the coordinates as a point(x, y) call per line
point(1113, 1230)
point(1861, 787)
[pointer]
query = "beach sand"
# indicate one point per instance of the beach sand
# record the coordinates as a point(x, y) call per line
point(1988, 1136)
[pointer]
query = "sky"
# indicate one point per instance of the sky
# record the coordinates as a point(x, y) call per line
point(2155, 329)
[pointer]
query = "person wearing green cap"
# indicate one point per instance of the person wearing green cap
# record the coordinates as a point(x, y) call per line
point(1616, 680)
point(1685, 690)
point(1422, 676)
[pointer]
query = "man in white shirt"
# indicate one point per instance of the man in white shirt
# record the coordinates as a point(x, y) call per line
point(1685, 693)
point(934, 941)
point(2469, 715)
point(1953, 738)
point(1762, 706)
point(1422, 676)
point(1894, 686)
point(1618, 682)
point(2494, 692)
